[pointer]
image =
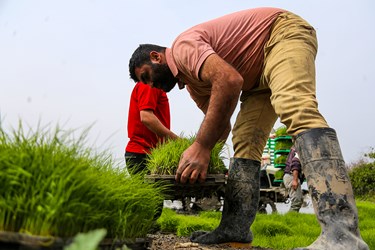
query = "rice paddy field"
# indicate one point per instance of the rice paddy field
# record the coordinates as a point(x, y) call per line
point(271, 231)
point(53, 185)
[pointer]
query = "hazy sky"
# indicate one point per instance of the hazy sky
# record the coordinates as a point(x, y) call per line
point(66, 62)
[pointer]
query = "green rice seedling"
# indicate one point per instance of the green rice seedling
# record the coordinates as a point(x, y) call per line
point(272, 229)
point(275, 231)
point(210, 214)
point(283, 144)
point(281, 131)
point(280, 159)
point(281, 241)
point(164, 158)
point(368, 237)
point(169, 221)
point(279, 175)
point(53, 185)
point(366, 211)
point(184, 225)
point(189, 224)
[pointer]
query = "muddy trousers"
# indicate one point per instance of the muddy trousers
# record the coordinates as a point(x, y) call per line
point(240, 206)
point(330, 189)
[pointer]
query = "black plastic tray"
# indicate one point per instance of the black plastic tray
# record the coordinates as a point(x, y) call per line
point(214, 183)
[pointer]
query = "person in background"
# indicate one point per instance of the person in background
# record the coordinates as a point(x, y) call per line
point(264, 58)
point(148, 125)
point(266, 160)
point(292, 179)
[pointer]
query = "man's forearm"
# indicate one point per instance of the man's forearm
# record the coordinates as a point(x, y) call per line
point(216, 124)
point(295, 175)
point(149, 119)
point(226, 85)
point(160, 130)
point(225, 135)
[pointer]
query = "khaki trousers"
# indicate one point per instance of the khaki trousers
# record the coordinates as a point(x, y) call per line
point(286, 88)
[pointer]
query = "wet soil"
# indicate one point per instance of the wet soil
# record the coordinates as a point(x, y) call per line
point(173, 242)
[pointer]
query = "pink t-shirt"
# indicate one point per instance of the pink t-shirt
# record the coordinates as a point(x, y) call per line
point(238, 38)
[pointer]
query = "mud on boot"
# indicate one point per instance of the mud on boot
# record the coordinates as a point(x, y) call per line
point(240, 207)
point(330, 189)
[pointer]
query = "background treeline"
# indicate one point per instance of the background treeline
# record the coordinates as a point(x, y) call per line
point(362, 176)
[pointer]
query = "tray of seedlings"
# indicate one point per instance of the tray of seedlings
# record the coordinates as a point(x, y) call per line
point(214, 184)
point(55, 191)
point(162, 164)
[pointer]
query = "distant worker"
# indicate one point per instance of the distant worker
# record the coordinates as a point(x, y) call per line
point(148, 124)
point(266, 160)
point(292, 179)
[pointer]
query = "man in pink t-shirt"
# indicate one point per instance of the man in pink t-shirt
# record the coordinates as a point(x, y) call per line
point(264, 58)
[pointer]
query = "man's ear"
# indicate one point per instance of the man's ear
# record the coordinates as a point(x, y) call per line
point(155, 57)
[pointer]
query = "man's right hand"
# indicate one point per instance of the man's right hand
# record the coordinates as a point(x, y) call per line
point(294, 184)
point(193, 164)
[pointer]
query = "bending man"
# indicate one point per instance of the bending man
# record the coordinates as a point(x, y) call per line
point(264, 58)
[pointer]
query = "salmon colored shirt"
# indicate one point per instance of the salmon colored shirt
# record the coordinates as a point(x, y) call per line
point(238, 38)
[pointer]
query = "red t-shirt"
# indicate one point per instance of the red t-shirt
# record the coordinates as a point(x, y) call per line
point(143, 97)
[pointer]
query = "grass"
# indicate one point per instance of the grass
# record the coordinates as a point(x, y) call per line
point(164, 158)
point(275, 231)
point(53, 185)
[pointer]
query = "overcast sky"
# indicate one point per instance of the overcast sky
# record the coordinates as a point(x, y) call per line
point(66, 62)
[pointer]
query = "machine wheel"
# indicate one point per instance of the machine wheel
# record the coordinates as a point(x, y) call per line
point(263, 202)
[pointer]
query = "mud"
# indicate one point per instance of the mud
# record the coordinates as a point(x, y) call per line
point(173, 242)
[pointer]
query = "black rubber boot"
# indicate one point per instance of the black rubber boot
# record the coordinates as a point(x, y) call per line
point(240, 207)
point(330, 189)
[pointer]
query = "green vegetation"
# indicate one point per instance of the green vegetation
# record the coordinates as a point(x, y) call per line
point(283, 144)
point(279, 174)
point(281, 131)
point(362, 176)
point(281, 159)
point(273, 231)
point(165, 157)
point(363, 179)
point(87, 241)
point(52, 185)
point(184, 225)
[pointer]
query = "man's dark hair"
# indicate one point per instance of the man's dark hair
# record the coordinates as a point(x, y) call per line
point(141, 56)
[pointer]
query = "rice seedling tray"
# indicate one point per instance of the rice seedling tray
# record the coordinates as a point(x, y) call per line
point(22, 241)
point(214, 183)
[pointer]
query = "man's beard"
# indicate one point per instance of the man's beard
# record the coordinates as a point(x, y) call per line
point(162, 77)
